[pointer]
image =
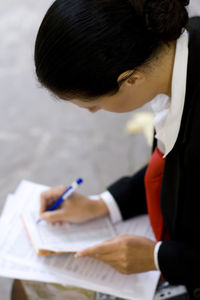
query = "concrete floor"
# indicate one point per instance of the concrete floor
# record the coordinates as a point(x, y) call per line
point(45, 140)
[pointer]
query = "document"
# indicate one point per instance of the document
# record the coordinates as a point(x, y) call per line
point(18, 259)
point(49, 239)
point(17, 270)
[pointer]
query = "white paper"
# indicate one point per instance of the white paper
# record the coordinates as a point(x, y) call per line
point(99, 276)
point(68, 237)
point(16, 250)
point(17, 270)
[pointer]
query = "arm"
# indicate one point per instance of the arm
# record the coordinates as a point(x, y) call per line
point(129, 194)
point(179, 263)
point(79, 208)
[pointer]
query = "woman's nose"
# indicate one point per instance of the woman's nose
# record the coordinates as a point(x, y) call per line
point(94, 109)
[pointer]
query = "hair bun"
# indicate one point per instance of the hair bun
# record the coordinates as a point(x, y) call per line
point(166, 18)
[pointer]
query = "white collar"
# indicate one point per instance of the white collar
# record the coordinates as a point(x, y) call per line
point(168, 114)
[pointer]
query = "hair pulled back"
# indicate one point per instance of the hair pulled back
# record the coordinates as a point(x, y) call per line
point(84, 45)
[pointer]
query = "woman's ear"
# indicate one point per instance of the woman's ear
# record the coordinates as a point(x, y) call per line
point(131, 77)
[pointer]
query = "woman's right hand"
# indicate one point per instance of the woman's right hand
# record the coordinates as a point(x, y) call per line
point(76, 209)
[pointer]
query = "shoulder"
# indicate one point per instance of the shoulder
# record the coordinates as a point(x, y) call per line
point(193, 69)
point(194, 22)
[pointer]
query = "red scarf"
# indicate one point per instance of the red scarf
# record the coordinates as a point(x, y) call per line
point(153, 183)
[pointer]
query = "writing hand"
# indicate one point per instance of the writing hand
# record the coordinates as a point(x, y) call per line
point(76, 209)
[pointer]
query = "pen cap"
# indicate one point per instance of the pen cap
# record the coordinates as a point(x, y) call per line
point(79, 181)
point(76, 183)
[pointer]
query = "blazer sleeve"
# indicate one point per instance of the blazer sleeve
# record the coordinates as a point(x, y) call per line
point(129, 193)
point(179, 262)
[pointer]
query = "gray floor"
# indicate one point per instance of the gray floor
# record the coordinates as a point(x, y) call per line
point(45, 140)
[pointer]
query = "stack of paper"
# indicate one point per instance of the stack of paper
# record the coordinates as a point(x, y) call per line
point(18, 259)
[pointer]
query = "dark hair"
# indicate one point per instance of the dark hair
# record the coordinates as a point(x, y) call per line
point(84, 45)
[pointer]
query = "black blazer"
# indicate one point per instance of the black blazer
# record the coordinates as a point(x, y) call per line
point(179, 258)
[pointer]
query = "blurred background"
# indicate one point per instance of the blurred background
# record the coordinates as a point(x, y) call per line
point(49, 141)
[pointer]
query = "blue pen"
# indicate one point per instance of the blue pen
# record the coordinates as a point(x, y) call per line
point(69, 191)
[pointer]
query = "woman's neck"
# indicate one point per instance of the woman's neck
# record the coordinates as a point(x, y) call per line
point(165, 68)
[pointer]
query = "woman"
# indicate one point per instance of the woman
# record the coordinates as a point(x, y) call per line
point(117, 55)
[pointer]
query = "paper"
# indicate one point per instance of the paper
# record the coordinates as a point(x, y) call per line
point(68, 237)
point(16, 270)
point(18, 259)
point(94, 274)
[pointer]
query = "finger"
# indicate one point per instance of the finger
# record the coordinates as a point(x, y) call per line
point(94, 251)
point(53, 223)
point(58, 224)
point(65, 222)
point(46, 199)
point(107, 258)
point(50, 196)
point(53, 217)
point(43, 203)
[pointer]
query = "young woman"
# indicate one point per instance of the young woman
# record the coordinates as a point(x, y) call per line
point(117, 55)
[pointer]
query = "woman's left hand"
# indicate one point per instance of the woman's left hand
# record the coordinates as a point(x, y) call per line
point(126, 253)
